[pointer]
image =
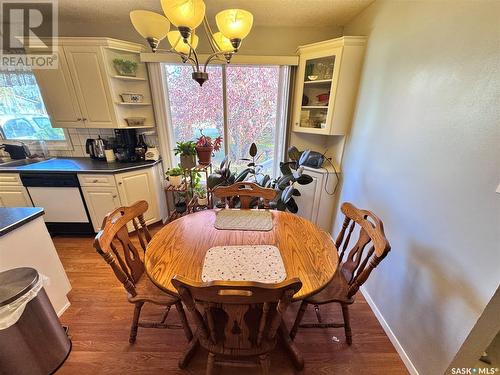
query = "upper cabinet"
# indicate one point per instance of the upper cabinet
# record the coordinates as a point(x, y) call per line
point(326, 85)
point(85, 91)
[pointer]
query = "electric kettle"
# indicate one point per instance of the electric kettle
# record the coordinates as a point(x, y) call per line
point(95, 148)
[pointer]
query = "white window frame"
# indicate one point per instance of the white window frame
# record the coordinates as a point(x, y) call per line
point(157, 75)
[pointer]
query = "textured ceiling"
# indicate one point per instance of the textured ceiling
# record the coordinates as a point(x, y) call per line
point(280, 13)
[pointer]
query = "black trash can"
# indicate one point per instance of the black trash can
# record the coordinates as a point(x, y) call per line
point(35, 344)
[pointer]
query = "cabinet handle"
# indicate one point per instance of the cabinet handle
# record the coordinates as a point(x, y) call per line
point(78, 119)
point(84, 119)
point(119, 183)
point(114, 196)
point(95, 181)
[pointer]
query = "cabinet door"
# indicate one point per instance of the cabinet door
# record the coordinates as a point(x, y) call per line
point(138, 185)
point(100, 201)
point(59, 95)
point(88, 72)
point(14, 196)
point(308, 201)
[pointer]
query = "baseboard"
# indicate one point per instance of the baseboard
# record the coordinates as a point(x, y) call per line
point(388, 331)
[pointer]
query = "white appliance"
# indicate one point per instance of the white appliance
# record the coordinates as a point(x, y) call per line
point(60, 196)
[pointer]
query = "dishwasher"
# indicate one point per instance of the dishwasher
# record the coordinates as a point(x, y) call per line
point(60, 196)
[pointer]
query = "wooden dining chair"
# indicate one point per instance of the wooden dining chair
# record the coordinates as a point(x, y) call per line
point(114, 244)
point(249, 194)
point(237, 320)
point(353, 272)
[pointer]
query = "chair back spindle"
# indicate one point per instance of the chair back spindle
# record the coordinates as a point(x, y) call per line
point(249, 194)
point(359, 263)
point(113, 243)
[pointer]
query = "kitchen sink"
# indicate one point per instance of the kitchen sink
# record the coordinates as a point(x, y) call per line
point(21, 162)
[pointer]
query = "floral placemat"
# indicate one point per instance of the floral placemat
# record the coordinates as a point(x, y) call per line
point(261, 263)
point(259, 220)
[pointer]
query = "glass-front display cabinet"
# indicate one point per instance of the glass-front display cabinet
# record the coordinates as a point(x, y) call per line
point(326, 85)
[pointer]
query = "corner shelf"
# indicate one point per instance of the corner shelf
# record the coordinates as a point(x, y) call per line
point(318, 81)
point(129, 78)
point(314, 107)
point(132, 104)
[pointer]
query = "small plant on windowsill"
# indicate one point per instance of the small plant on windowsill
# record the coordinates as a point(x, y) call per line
point(187, 153)
point(174, 175)
point(205, 146)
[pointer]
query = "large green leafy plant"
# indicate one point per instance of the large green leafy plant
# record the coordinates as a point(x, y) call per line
point(286, 185)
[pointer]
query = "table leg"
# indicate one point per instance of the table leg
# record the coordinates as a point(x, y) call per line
point(189, 353)
point(293, 352)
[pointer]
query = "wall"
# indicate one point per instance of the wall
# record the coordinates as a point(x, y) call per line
point(424, 154)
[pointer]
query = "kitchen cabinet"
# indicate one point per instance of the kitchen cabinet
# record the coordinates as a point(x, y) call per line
point(14, 196)
point(100, 201)
point(59, 95)
point(86, 66)
point(317, 201)
point(140, 185)
point(326, 85)
point(84, 91)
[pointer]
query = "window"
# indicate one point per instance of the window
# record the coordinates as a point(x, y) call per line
point(22, 112)
point(250, 109)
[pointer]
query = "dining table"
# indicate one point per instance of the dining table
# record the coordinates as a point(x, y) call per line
point(179, 248)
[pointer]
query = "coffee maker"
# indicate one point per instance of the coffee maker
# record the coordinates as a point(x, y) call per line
point(126, 141)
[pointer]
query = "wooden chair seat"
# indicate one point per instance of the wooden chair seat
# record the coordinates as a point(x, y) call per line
point(336, 291)
point(149, 292)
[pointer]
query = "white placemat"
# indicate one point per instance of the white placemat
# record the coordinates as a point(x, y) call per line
point(260, 263)
point(229, 219)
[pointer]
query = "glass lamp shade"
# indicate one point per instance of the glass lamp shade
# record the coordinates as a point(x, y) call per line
point(234, 23)
point(222, 42)
point(175, 39)
point(184, 13)
point(150, 24)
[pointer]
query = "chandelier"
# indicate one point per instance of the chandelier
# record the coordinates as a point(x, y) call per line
point(186, 15)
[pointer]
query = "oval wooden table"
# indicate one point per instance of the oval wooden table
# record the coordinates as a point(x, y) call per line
point(179, 248)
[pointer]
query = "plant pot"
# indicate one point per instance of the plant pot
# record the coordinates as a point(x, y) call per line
point(188, 161)
point(202, 201)
point(123, 71)
point(180, 207)
point(175, 181)
point(204, 154)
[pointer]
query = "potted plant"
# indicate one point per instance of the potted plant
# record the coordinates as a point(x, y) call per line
point(174, 175)
point(180, 202)
point(205, 146)
point(201, 196)
point(187, 153)
point(125, 67)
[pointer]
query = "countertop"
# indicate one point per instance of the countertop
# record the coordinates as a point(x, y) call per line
point(77, 165)
point(12, 218)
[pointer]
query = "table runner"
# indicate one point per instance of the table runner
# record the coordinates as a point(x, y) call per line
point(261, 263)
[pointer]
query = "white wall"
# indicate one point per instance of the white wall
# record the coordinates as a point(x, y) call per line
point(424, 154)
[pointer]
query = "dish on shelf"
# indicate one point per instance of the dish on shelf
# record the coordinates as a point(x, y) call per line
point(312, 78)
point(135, 121)
point(132, 97)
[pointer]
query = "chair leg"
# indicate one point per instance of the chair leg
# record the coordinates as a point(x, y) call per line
point(210, 364)
point(347, 324)
point(265, 363)
point(298, 319)
point(165, 315)
point(135, 322)
point(184, 321)
point(318, 315)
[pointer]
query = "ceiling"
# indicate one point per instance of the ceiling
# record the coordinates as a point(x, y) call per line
point(269, 13)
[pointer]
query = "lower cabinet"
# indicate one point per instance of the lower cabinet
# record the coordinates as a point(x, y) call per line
point(100, 201)
point(140, 185)
point(316, 202)
point(14, 196)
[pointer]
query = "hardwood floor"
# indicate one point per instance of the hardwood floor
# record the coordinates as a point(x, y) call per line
point(99, 321)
